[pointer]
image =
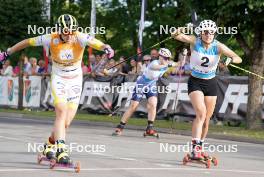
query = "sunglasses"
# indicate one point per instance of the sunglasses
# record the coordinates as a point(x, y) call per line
point(206, 32)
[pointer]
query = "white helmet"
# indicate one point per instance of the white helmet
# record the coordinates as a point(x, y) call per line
point(165, 52)
point(207, 25)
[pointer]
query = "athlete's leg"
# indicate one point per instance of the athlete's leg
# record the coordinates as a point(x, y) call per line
point(197, 100)
point(60, 121)
point(210, 102)
point(74, 95)
point(152, 108)
point(132, 108)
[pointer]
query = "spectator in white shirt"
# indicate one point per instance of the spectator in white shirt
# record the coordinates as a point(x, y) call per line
point(34, 66)
point(7, 69)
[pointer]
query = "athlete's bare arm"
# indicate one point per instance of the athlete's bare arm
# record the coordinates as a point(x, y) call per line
point(19, 46)
point(180, 36)
point(223, 49)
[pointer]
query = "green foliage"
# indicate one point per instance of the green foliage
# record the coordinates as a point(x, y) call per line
point(121, 20)
point(15, 16)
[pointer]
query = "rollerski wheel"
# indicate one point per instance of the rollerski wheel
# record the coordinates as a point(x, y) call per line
point(39, 158)
point(42, 158)
point(77, 167)
point(117, 133)
point(188, 158)
point(212, 159)
point(145, 134)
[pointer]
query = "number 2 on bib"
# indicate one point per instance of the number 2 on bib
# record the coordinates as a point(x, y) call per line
point(205, 62)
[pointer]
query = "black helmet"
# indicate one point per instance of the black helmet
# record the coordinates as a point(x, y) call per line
point(67, 23)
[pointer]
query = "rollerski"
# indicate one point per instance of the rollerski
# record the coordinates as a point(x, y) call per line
point(55, 163)
point(151, 132)
point(207, 161)
point(63, 160)
point(198, 156)
point(118, 131)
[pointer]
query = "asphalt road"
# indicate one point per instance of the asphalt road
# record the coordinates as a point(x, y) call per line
point(130, 155)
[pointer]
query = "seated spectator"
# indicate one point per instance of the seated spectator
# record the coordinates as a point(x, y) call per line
point(41, 69)
point(7, 69)
point(34, 66)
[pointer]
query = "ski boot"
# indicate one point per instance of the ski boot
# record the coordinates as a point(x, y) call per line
point(48, 152)
point(118, 131)
point(63, 160)
point(151, 132)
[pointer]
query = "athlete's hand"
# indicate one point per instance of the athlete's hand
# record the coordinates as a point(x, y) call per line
point(227, 61)
point(109, 51)
point(3, 56)
point(171, 64)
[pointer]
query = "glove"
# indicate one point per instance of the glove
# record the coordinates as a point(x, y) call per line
point(109, 51)
point(3, 56)
point(171, 64)
point(227, 61)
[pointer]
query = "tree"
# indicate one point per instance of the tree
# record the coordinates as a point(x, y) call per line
point(15, 16)
point(247, 15)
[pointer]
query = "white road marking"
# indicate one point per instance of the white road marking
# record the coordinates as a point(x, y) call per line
point(138, 169)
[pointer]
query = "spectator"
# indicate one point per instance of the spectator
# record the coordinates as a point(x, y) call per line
point(124, 67)
point(16, 71)
point(99, 68)
point(146, 61)
point(85, 69)
point(223, 70)
point(92, 61)
point(112, 71)
point(7, 69)
point(27, 66)
point(133, 66)
point(184, 63)
point(154, 54)
point(49, 66)
point(41, 69)
point(34, 66)
point(98, 59)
